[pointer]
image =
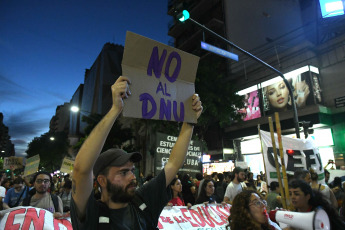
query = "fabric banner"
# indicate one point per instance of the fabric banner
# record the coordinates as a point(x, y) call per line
point(298, 153)
point(178, 217)
point(31, 165)
point(30, 218)
point(198, 217)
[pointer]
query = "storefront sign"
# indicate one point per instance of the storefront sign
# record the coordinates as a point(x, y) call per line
point(164, 145)
point(162, 80)
point(298, 154)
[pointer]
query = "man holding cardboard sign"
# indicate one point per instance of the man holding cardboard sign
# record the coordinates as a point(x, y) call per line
point(121, 206)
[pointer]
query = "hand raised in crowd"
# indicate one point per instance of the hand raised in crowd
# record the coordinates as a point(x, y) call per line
point(120, 90)
point(197, 105)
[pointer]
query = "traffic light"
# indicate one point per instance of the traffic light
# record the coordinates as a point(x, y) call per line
point(307, 125)
point(290, 152)
point(183, 16)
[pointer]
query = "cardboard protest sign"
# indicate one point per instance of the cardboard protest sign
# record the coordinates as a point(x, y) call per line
point(13, 163)
point(32, 218)
point(31, 165)
point(198, 217)
point(67, 165)
point(162, 80)
point(164, 145)
point(303, 154)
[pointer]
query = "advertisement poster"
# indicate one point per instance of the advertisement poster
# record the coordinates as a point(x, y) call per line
point(276, 97)
point(251, 108)
point(164, 145)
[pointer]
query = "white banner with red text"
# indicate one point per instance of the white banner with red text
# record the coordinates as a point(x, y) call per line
point(178, 217)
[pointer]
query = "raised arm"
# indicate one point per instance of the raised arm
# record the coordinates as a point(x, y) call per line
point(90, 150)
point(179, 151)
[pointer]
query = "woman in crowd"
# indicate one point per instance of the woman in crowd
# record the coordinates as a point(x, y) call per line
point(248, 211)
point(176, 188)
point(207, 193)
point(304, 199)
point(66, 195)
point(338, 190)
point(324, 189)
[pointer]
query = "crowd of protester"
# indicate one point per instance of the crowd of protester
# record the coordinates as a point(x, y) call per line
point(42, 190)
point(249, 197)
point(253, 202)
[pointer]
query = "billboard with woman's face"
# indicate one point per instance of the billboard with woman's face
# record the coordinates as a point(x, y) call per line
point(276, 97)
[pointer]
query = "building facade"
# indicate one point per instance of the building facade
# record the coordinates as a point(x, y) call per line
point(290, 36)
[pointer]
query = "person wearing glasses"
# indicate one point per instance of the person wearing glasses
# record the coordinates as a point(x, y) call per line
point(42, 198)
point(248, 211)
point(15, 195)
point(207, 193)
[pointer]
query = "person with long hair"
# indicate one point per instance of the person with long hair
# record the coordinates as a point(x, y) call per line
point(304, 199)
point(324, 189)
point(248, 212)
point(176, 188)
point(207, 193)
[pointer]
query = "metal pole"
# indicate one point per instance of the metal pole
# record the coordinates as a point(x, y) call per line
point(263, 63)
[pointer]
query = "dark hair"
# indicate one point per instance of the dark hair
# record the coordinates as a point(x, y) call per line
point(240, 217)
point(199, 176)
point(42, 172)
point(274, 185)
point(237, 170)
point(214, 174)
point(316, 200)
point(220, 177)
point(314, 176)
point(67, 184)
point(202, 196)
point(337, 182)
point(300, 174)
point(18, 180)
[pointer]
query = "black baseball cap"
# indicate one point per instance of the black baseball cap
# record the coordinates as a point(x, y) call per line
point(114, 157)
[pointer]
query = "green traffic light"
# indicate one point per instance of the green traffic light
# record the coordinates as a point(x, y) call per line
point(184, 16)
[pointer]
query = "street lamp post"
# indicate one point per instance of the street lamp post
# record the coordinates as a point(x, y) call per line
point(184, 15)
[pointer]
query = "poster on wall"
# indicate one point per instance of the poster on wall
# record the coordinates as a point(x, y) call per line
point(276, 97)
point(251, 109)
point(164, 145)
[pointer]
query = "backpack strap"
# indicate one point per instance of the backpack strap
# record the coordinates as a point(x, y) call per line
point(27, 200)
point(55, 202)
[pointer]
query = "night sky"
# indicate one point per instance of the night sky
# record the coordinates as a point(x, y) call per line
point(45, 47)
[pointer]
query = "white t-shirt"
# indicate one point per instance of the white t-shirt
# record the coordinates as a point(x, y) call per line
point(233, 189)
point(2, 192)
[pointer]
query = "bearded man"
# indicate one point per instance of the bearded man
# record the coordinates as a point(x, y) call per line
point(121, 205)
